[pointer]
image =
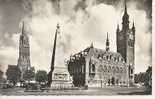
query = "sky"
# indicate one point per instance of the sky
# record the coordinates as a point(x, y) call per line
point(81, 22)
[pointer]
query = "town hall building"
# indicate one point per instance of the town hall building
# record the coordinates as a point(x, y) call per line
point(99, 67)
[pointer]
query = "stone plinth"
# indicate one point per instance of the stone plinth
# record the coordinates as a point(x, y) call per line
point(61, 79)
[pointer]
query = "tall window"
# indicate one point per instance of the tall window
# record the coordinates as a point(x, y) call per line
point(93, 68)
point(105, 69)
point(131, 71)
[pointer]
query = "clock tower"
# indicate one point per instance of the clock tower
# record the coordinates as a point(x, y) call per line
point(125, 40)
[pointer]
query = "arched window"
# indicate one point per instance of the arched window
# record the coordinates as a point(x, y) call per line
point(105, 68)
point(121, 70)
point(115, 59)
point(131, 71)
point(110, 57)
point(117, 69)
point(93, 68)
point(113, 69)
point(98, 56)
point(107, 57)
point(109, 69)
point(122, 59)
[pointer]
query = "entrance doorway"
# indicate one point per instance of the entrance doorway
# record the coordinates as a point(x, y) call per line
point(113, 81)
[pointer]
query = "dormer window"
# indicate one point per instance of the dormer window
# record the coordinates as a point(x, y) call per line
point(107, 57)
point(115, 59)
point(98, 56)
point(122, 59)
point(110, 57)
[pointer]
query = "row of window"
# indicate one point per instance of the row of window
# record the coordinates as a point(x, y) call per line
point(111, 57)
point(109, 69)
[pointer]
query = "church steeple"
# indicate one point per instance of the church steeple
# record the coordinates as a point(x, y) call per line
point(107, 43)
point(125, 18)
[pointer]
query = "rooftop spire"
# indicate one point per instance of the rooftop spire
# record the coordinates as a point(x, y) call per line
point(107, 37)
point(58, 26)
point(133, 24)
point(22, 27)
point(92, 45)
point(107, 43)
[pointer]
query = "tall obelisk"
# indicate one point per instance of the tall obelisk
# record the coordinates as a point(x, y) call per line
point(53, 57)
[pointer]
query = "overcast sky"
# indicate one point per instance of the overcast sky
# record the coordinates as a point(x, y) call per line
point(81, 22)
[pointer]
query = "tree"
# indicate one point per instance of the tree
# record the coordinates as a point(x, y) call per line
point(1, 74)
point(13, 74)
point(148, 78)
point(29, 75)
point(41, 76)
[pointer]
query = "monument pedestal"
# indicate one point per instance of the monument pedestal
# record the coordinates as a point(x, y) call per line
point(61, 79)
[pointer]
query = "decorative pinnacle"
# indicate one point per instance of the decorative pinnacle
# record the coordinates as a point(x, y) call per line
point(22, 27)
point(58, 26)
point(133, 24)
point(107, 37)
point(92, 45)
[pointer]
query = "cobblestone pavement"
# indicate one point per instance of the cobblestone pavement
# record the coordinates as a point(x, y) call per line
point(90, 91)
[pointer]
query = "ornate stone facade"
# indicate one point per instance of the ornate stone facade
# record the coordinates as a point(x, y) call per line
point(24, 52)
point(94, 66)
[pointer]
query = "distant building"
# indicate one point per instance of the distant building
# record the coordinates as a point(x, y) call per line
point(94, 66)
point(24, 52)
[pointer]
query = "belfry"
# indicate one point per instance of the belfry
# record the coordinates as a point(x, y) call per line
point(24, 52)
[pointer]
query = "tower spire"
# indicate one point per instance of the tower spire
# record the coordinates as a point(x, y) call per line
point(125, 6)
point(117, 27)
point(125, 18)
point(107, 43)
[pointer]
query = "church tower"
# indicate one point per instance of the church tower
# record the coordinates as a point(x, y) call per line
point(24, 52)
point(125, 40)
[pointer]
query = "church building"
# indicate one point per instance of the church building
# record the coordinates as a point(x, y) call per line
point(99, 67)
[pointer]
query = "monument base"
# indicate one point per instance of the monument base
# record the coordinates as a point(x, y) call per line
point(61, 79)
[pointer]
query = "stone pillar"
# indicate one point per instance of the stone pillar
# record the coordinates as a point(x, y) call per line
point(87, 71)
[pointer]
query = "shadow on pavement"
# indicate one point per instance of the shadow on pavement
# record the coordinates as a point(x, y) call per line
point(136, 93)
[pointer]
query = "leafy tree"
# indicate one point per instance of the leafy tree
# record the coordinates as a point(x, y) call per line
point(29, 75)
point(41, 76)
point(1, 74)
point(13, 74)
point(148, 76)
point(1, 77)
